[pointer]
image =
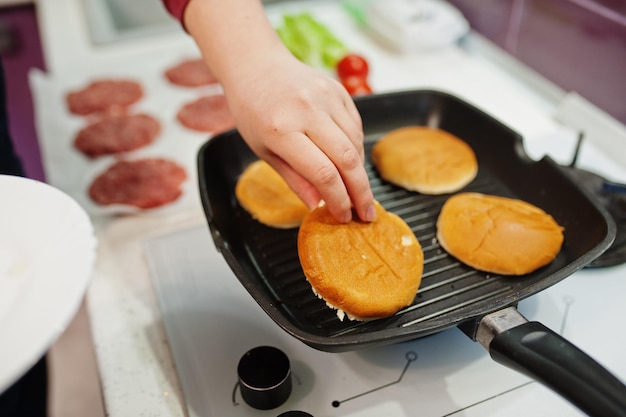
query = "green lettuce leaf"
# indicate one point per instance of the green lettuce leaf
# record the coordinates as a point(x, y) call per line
point(310, 41)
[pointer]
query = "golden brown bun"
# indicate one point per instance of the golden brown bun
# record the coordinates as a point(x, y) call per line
point(365, 270)
point(426, 160)
point(267, 197)
point(497, 234)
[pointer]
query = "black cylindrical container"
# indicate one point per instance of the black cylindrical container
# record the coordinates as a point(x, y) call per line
point(264, 377)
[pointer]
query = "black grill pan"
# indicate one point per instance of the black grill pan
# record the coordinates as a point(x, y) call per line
point(451, 294)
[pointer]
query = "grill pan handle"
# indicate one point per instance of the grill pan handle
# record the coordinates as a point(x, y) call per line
point(534, 350)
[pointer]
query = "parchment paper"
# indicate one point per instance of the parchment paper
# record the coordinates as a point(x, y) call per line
point(71, 171)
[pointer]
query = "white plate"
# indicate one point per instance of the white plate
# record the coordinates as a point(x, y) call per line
point(47, 252)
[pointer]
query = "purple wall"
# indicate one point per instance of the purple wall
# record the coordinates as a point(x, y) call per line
point(578, 44)
point(22, 54)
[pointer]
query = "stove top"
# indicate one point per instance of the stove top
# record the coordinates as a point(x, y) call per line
point(212, 323)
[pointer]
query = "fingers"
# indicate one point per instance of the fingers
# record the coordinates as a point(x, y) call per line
point(316, 168)
point(302, 187)
point(347, 117)
point(328, 160)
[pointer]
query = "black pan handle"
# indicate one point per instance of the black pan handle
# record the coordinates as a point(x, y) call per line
point(533, 349)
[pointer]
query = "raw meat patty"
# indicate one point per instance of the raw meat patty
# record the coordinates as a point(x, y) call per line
point(116, 134)
point(143, 183)
point(190, 73)
point(104, 96)
point(207, 114)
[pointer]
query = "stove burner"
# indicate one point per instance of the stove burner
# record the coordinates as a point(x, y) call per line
point(295, 414)
point(613, 197)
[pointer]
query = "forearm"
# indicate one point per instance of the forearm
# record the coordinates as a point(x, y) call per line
point(235, 37)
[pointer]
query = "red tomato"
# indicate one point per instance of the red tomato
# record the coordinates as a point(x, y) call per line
point(352, 65)
point(356, 86)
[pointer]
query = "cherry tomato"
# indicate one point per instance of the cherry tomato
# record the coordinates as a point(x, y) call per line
point(352, 65)
point(356, 86)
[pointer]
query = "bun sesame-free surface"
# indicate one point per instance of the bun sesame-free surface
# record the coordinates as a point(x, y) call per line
point(426, 160)
point(365, 270)
point(266, 196)
point(498, 234)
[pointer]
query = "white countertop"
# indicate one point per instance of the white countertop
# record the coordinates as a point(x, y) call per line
point(136, 367)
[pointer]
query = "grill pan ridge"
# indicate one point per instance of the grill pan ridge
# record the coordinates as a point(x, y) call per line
point(265, 259)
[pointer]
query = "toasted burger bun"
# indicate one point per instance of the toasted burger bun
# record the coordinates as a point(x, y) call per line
point(497, 234)
point(364, 270)
point(267, 197)
point(426, 160)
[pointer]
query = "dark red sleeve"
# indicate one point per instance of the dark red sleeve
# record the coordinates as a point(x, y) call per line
point(176, 8)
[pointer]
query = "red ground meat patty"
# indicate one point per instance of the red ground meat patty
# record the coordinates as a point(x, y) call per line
point(207, 114)
point(190, 73)
point(116, 134)
point(104, 96)
point(143, 183)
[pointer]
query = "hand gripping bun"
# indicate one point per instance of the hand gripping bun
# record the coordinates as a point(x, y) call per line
point(266, 196)
point(365, 270)
point(426, 160)
point(497, 234)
